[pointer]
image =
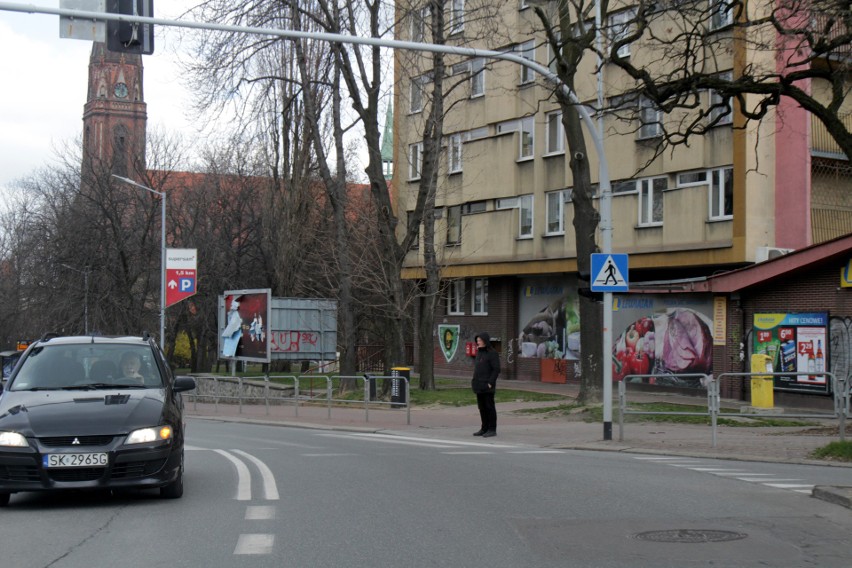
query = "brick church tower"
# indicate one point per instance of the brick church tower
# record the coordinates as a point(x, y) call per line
point(115, 114)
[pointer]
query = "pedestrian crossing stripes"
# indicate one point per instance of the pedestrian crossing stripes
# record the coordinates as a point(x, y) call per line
point(765, 479)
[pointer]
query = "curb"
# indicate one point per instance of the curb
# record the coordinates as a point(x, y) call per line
point(839, 495)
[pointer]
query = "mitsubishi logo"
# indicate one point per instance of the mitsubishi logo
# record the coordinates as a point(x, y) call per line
point(76, 442)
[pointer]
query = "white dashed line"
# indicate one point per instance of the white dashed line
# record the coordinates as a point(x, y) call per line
point(790, 485)
point(255, 544)
point(468, 453)
point(260, 513)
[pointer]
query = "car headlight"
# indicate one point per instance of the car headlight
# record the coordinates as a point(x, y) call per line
point(144, 435)
point(13, 440)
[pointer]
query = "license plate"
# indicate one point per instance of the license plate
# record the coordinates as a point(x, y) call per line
point(75, 460)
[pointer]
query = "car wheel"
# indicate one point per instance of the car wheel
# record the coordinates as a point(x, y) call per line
point(4, 499)
point(174, 490)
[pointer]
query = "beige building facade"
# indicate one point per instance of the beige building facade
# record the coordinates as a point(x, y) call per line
point(504, 235)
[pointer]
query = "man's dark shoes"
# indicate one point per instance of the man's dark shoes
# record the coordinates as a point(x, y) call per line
point(479, 433)
point(489, 434)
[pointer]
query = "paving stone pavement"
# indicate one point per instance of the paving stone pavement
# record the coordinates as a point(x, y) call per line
point(552, 430)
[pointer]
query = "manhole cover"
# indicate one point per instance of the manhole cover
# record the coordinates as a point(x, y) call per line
point(690, 536)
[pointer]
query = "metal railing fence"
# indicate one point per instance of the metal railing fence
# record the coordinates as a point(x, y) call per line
point(238, 390)
point(840, 389)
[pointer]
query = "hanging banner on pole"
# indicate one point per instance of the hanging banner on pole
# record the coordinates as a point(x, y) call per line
point(181, 274)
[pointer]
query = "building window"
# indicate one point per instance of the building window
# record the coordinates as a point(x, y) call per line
point(721, 14)
point(555, 212)
point(690, 179)
point(551, 54)
point(415, 242)
point(623, 186)
point(506, 203)
point(454, 154)
point(419, 18)
point(454, 225)
point(525, 216)
point(527, 149)
point(415, 159)
point(722, 194)
point(477, 77)
point(555, 133)
point(619, 28)
point(456, 16)
point(651, 118)
point(720, 109)
point(651, 200)
point(480, 297)
point(455, 298)
point(417, 93)
point(527, 51)
point(473, 207)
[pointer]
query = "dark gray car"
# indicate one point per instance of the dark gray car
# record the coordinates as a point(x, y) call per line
point(92, 413)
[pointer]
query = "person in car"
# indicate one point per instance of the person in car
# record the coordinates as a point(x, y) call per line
point(130, 364)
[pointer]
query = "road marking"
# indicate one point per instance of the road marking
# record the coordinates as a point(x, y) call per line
point(754, 479)
point(713, 469)
point(790, 485)
point(536, 452)
point(805, 491)
point(327, 455)
point(386, 441)
point(255, 544)
point(270, 490)
point(467, 453)
point(260, 512)
point(420, 440)
point(658, 458)
point(243, 476)
point(731, 473)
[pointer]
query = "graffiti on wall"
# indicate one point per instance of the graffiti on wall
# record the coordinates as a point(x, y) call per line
point(294, 341)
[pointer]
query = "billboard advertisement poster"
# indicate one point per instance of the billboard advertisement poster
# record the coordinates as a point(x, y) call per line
point(549, 318)
point(666, 335)
point(244, 335)
point(795, 343)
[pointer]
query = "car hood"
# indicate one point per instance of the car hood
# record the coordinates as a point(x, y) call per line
point(63, 413)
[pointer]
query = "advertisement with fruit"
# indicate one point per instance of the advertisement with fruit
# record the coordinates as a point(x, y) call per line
point(549, 319)
point(665, 336)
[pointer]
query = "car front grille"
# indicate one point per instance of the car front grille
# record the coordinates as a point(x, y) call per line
point(130, 470)
point(19, 473)
point(76, 474)
point(62, 441)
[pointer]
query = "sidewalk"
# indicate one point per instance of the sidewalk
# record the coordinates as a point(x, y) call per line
point(770, 444)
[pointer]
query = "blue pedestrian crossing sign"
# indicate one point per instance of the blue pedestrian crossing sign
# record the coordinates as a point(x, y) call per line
point(609, 273)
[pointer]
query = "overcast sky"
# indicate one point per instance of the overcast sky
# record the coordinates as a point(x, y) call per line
point(44, 83)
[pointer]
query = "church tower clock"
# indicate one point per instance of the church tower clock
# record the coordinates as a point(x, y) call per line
point(115, 114)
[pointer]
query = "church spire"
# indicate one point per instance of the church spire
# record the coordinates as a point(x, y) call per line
point(115, 114)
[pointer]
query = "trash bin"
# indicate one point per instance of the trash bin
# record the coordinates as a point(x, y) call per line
point(762, 386)
point(398, 392)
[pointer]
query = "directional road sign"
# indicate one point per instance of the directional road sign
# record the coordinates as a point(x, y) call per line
point(609, 273)
point(180, 275)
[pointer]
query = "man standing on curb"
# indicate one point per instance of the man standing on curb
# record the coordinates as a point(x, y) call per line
point(485, 370)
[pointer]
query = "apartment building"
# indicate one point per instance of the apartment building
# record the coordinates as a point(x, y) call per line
point(505, 238)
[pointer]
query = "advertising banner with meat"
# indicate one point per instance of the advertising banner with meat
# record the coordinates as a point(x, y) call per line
point(665, 335)
point(795, 343)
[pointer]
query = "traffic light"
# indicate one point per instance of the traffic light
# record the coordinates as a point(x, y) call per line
point(130, 37)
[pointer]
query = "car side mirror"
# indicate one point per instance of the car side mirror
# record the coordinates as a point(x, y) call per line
point(182, 384)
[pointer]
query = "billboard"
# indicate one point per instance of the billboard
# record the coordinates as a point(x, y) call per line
point(795, 343)
point(668, 335)
point(549, 318)
point(243, 319)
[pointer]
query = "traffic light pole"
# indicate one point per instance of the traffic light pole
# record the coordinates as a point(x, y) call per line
point(597, 139)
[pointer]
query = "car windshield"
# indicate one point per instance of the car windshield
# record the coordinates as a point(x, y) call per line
point(88, 366)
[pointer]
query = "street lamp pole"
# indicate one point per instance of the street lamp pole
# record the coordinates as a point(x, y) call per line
point(162, 195)
point(85, 274)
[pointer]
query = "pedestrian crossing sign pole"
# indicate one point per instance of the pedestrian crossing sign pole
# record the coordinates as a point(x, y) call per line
point(608, 275)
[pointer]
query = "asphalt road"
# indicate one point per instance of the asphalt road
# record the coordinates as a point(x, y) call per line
point(288, 497)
